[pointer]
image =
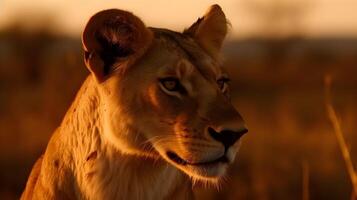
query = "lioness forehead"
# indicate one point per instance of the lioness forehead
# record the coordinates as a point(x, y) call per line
point(189, 50)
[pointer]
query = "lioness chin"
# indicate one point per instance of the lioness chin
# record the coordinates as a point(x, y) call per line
point(153, 115)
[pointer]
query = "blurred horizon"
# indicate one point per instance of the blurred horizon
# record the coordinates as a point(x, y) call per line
point(249, 18)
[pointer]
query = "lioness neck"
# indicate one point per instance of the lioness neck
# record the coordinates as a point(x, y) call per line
point(101, 170)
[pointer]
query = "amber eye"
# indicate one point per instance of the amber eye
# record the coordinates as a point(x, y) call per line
point(171, 84)
point(223, 84)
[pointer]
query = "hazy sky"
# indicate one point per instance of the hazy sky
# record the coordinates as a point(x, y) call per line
point(319, 18)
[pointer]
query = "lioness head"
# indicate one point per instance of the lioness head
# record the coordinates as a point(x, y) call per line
point(164, 94)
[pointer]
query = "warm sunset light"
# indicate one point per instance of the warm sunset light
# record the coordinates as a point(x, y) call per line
point(248, 17)
point(226, 99)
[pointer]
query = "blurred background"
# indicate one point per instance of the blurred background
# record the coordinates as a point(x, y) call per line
point(277, 52)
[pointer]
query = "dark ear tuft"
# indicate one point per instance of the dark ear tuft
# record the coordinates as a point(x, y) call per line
point(114, 48)
point(193, 28)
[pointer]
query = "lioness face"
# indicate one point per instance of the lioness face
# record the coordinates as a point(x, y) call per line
point(173, 101)
point(187, 115)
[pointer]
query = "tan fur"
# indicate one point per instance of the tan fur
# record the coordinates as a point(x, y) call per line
point(115, 139)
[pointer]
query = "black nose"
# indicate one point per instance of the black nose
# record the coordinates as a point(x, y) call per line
point(227, 137)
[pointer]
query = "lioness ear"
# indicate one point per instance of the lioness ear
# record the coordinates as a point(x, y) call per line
point(111, 37)
point(210, 30)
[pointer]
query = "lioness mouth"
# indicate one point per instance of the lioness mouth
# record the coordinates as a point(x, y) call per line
point(174, 157)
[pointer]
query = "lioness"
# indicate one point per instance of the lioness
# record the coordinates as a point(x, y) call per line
point(155, 104)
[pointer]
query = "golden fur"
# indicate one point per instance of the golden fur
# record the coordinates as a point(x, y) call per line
point(126, 135)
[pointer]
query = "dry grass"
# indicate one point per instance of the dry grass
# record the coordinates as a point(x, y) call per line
point(305, 180)
point(339, 134)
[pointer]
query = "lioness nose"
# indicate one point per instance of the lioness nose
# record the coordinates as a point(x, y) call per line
point(227, 137)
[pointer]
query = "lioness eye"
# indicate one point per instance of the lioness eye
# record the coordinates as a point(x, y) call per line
point(222, 84)
point(170, 84)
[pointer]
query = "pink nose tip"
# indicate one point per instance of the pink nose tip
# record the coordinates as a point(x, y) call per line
point(227, 137)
